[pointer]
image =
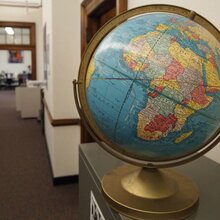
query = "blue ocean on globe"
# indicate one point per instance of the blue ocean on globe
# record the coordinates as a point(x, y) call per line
point(153, 87)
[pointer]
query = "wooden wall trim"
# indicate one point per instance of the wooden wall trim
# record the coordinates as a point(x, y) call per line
point(17, 24)
point(121, 6)
point(60, 122)
point(88, 7)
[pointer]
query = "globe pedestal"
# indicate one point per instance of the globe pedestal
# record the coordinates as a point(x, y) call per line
point(150, 193)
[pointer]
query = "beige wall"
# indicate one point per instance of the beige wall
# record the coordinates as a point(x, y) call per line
point(66, 55)
point(31, 15)
point(209, 10)
point(62, 19)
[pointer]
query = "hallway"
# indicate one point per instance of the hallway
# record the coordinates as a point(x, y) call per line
point(26, 188)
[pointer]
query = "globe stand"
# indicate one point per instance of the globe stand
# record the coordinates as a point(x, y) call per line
point(146, 193)
point(150, 193)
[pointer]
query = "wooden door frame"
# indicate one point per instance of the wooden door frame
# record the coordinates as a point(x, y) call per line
point(89, 7)
point(31, 46)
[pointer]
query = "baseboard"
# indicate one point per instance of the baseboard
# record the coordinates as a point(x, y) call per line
point(65, 180)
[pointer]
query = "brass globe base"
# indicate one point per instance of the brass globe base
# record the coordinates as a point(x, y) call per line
point(149, 193)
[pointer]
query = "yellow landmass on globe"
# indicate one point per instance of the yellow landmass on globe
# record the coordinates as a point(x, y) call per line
point(90, 71)
point(197, 106)
point(186, 57)
point(181, 113)
point(172, 84)
point(162, 27)
point(149, 135)
point(138, 48)
point(183, 137)
point(212, 78)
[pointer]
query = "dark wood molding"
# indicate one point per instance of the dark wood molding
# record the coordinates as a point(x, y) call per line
point(121, 6)
point(92, 5)
point(31, 47)
point(60, 122)
point(65, 180)
point(15, 47)
point(17, 24)
point(65, 122)
point(93, 10)
point(83, 30)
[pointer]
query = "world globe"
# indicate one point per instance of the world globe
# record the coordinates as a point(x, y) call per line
point(150, 86)
point(149, 93)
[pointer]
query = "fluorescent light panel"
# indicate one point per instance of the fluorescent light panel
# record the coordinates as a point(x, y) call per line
point(9, 30)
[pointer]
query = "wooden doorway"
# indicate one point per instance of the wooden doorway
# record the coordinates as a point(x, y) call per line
point(94, 14)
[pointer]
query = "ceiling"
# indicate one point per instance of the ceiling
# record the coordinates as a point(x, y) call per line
point(24, 3)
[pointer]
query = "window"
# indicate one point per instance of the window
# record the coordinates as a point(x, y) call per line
point(19, 36)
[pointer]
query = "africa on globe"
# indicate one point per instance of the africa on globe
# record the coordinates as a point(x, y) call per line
point(152, 87)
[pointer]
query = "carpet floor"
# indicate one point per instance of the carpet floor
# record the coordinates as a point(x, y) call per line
point(26, 189)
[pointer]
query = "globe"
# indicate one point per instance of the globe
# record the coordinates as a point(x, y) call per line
point(150, 87)
point(149, 93)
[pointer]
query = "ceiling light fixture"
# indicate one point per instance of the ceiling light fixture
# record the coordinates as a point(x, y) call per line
point(9, 30)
